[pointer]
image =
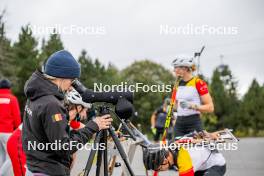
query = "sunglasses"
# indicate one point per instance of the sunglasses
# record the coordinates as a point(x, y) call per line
point(179, 67)
point(164, 164)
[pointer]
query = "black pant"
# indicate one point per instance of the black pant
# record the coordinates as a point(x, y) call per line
point(159, 133)
point(212, 171)
point(187, 124)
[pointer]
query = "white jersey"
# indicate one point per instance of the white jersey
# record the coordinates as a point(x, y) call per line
point(195, 159)
point(190, 91)
point(204, 158)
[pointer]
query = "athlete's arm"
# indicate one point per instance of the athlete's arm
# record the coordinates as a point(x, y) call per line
point(207, 104)
point(153, 119)
point(206, 99)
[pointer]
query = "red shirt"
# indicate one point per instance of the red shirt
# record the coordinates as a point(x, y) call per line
point(16, 153)
point(9, 112)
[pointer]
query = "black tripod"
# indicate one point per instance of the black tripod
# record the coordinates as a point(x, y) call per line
point(101, 137)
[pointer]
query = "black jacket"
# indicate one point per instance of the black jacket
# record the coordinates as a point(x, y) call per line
point(46, 121)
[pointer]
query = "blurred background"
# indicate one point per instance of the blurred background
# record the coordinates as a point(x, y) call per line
point(136, 41)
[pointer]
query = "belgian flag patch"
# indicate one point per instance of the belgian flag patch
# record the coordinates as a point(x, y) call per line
point(56, 117)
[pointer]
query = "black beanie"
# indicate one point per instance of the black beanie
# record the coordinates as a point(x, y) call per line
point(5, 84)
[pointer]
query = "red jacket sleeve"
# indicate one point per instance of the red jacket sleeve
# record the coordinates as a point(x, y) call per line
point(15, 112)
point(201, 87)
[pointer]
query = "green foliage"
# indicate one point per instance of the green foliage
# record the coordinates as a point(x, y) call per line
point(210, 122)
point(95, 72)
point(6, 54)
point(87, 68)
point(148, 73)
point(53, 44)
point(252, 109)
point(25, 56)
point(224, 93)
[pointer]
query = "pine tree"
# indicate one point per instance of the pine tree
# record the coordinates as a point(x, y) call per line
point(25, 55)
point(96, 72)
point(88, 76)
point(112, 75)
point(224, 93)
point(252, 110)
point(53, 44)
point(7, 66)
point(219, 97)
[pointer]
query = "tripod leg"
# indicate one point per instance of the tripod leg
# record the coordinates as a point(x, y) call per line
point(92, 154)
point(121, 150)
point(102, 154)
point(105, 153)
point(99, 158)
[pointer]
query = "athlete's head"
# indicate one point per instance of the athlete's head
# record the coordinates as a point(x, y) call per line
point(5, 84)
point(157, 158)
point(183, 64)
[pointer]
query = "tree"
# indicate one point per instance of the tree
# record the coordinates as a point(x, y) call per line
point(25, 56)
point(88, 76)
point(7, 65)
point(113, 73)
point(252, 110)
point(95, 72)
point(147, 73)
point(210, 122)
point(53, 44)
point(219, 97)
point(229, 81)
point(224, 92)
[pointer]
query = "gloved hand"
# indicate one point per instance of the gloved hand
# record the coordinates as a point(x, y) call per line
point(187, 105)
point(153, 130)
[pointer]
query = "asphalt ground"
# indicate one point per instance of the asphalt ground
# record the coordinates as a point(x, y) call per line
point(247, 160)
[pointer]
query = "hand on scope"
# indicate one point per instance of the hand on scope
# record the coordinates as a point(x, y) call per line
point(83, 114)
point(103, 122)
